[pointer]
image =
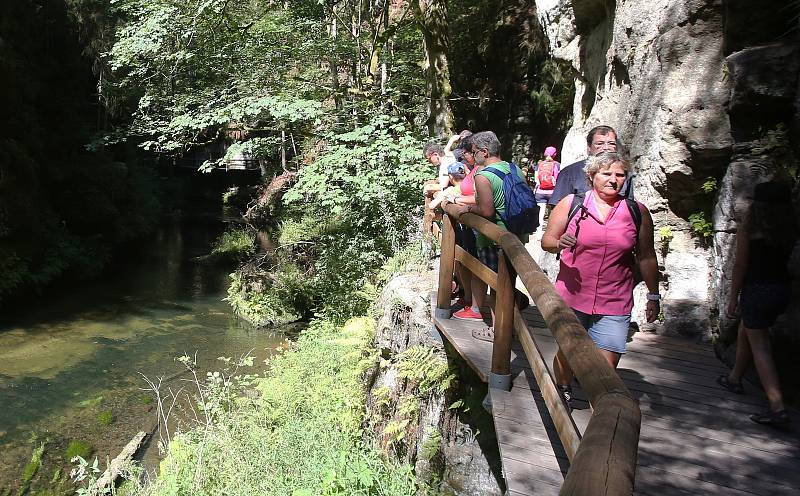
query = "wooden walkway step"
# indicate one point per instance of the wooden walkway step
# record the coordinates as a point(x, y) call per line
point(696, 437)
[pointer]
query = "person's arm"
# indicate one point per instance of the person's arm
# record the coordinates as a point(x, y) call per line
point(739, 265)
point(484, 200)
point(448, 148)
point(464, 200)
point(648, 263)
point(555, 238)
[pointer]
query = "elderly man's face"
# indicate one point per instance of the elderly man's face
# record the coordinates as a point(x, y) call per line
point(603, 143)
point(434, 158)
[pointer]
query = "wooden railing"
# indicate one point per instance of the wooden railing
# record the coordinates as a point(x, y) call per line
point(604, 460)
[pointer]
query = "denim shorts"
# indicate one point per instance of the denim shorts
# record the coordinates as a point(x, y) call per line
point(609, 332)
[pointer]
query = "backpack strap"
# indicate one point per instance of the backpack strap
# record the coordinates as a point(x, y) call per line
point(502, 175)
point(577, 204)
point(636, 215)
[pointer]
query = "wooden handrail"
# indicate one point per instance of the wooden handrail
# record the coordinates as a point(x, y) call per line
point(604, 460)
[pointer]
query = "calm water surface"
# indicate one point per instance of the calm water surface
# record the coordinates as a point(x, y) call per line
point(74, 358)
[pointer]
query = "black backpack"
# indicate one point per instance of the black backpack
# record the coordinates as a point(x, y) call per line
point(522, 212)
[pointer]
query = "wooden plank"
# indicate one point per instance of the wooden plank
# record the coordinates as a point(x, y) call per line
point(567, 430)
point(483, 272)
point(663, 479)
point(544, 481)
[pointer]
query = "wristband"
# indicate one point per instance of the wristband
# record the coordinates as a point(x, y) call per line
point(653, 297)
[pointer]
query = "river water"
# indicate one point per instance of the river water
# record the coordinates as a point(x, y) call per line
point(73, 358)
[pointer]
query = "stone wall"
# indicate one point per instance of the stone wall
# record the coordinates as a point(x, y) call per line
point(657, 72)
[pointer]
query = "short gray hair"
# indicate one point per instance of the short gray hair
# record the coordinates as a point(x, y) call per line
point(604, 160)
point(487, 140)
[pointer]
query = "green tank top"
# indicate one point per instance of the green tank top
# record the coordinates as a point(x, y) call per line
point(498, 198)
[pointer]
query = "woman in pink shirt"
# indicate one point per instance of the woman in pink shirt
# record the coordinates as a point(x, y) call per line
point(599, 242)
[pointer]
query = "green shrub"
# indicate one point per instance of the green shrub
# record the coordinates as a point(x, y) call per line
point(701, 225)
point(77, 448)
point(236, 244)
point(301, 436)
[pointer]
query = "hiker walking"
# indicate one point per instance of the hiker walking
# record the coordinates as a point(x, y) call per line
point(491, 186)
point(761, 290)
point(546, 177)
point(572, 178)
point(600, 235)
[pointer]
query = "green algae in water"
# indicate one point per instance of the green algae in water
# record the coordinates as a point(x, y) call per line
point(91, 402)
point(106, 417)
point(78, 448)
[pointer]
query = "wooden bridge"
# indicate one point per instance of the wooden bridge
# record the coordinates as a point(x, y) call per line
point(659, 425)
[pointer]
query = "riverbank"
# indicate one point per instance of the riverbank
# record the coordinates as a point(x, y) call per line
point(70, 365)
point(296, 431)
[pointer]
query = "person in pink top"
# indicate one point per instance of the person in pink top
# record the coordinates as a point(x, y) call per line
point(599, 240)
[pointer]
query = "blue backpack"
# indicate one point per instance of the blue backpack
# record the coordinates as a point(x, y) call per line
point(522, 211)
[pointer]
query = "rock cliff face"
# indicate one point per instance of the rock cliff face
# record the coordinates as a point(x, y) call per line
point(697, 90)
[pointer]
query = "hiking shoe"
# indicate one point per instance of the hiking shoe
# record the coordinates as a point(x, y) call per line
point(769, 417)
point(566, 395)
point(468, 314)
point(733, 387)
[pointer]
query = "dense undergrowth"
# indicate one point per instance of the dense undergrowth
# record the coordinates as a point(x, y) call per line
point(300, 436)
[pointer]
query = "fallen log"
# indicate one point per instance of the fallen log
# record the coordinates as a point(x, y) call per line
point(115, 467)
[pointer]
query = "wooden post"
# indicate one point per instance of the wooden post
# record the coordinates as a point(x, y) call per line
point(446, 269)
point(503, 324)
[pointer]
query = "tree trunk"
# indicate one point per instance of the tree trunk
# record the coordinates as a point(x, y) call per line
point(432, 18)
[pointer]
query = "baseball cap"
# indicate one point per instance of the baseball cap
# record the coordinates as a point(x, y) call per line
point(456, 168)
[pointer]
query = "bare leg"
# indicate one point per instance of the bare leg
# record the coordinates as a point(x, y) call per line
point(611, 357)
point(762, 357)
point(478, 292)
point(465, 276)
point(743, 354)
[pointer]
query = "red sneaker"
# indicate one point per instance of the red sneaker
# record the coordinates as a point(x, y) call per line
point(468, 314)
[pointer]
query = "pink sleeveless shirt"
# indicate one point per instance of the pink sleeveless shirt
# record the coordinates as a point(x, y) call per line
point(597, 276)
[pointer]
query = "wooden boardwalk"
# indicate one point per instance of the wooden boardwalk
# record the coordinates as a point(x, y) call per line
point(695, 438)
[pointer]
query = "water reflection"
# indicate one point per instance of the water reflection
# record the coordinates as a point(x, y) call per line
point(62, 365)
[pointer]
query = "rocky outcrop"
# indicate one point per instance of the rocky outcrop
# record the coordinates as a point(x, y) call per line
point(413, 397)
point(691, 119)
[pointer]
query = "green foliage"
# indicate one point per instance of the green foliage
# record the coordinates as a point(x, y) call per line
point(701, 225)
point(106, 418)
point(236, 244)
point(665, 236)
point(426, 371)
point(302, 436)
point(77, 448)
point(776, 144)
point(287, 299)
point(364, 184)
point(33, 466)
point(709, 185)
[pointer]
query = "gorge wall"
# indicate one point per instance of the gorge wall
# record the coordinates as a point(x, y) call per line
point(704, 96)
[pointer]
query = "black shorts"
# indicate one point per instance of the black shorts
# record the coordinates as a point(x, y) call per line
point(465, 238)
point(762, 303)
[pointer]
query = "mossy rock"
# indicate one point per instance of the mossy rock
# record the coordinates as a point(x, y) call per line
point(78, 448)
